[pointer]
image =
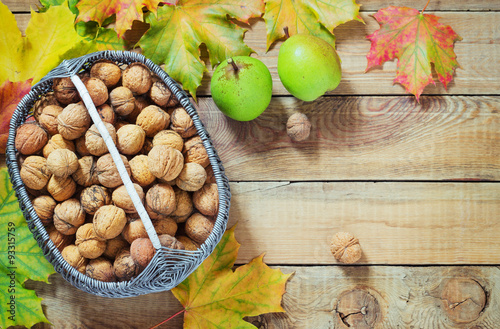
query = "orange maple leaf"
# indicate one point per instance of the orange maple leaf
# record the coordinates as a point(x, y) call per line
point(417, 40)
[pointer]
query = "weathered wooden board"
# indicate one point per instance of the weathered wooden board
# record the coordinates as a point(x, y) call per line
point(363, 138)
point(478, 54)
point(317, 297)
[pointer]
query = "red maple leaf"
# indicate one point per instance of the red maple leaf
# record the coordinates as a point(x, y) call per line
point(417, 40)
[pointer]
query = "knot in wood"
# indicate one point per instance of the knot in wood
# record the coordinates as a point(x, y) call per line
point(358, 309)
point(464, 299)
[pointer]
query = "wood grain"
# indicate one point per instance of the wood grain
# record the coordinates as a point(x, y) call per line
point(363, 138)
point(478, 54)
point(379, 297)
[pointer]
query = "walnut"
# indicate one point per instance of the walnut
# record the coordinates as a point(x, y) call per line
point(140, 170)
point(153, 119)
point(169, 241)
point(86, 174)
point(210, 174)
point(44, 101)
point(97, 91)
point(120, 124)
point(134, 230)
point(114, 245)
point(142, 251)
point(88, 243)
point(122, 100)
point(30, 138)
point(48, 118)
point(44, 206)
point(182, 123)
point(188, 243)
point(106, 71)
point(65, 91)
point(73, 121)
point(107, 172)
point(206, 200)
point(72, 255)
point(298, 127)
point(34, 172)
point(81, 149)
point(345, 247)
point(170, 138)
point(165, 225)
point(100, 269)
point(192, 177)
point(124, 266)
point(60, 240)
point(198, 227)
point(95, 143)
point(61, 188)
point(62, 163)
point(137, 78)
point(162, 95)
point(122, 199)
point(94, 197)
point(165, 162)
point(194, 151)
point(106, 113)
point(160, 201)
point(109, 221)
point(140, 103)
point(58, 142)
point(148, 145)
point(68, 216)
point(130, 139)
point(184, 205)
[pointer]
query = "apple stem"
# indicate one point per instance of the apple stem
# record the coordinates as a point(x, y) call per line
point(235, 67)
point(285, 29)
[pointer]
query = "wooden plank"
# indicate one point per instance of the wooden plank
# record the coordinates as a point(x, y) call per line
point(363, 138)
point(317, 297)
point(396, 223)
point(478, 54)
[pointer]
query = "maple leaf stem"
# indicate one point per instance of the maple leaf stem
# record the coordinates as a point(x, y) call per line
point(233, 64)
point(170, 318)
point(425, 6)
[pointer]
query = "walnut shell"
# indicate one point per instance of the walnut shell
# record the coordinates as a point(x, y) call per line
point(72, 255)
point(195, 151)
point(122, 199)
point(124, 266)
point(148, 145)
point(94, 197)
point(30, 138)
point(73, 121)
point(114, 245)
point(140, 103)
point(160, 201)
point(86, 174)
point(65, 91)
point(44, 206)
point(122, 100)
point(44, 101)
point(182, 123)
point(198, 227)
point(169, 241)
point(94, 142)
point(48, 118)
point(57, 142)
point(109, 222)
point(61, 188)
point(142, 251)
point(106, 71)
point(345, 247)
point(106, 113)
point(88, 243)
point(137, 78)
point(34, 172)
point(62, 163)
point(153, 119)
point(165, 162)
point(134, 230)
point(97, 90)
point(170, 138)
point(165, 225)
point(60, 240)
point(130, 139)
point(162, 95)
point(68, 216)
point(100, 269)
point(107, 172)
point(184, 205)
point(210, 174)
point(206, 200)
point(188, 243)
point(81, 149)
point(140, 170)
point(192, 177)
point(298, 127)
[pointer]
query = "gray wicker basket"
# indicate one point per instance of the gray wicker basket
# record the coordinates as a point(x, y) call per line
point(168, 267)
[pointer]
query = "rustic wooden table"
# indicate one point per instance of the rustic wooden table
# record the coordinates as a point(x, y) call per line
point(416, 183)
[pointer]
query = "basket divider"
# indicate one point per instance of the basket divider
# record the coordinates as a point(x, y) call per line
point(96, 118)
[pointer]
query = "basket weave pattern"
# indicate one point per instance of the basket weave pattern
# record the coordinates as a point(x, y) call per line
point(168, 267)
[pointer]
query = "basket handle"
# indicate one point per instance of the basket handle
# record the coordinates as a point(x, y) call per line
point(96, 118)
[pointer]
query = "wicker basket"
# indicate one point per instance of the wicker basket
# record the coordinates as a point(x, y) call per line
point(168, 267)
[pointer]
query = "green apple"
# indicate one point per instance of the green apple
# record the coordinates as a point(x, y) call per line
point(242, 87)
point(308, 66)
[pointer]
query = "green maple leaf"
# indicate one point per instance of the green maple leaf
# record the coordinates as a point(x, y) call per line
point(177, 32)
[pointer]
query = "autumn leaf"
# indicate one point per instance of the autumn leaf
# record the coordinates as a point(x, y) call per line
point(318, 18)
point(177, 32)
point(215, 296)
point(10, 95)
point(126, 12)
point(417, 40)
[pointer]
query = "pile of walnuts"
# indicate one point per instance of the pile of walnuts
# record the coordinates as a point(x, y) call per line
point(75, 187)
